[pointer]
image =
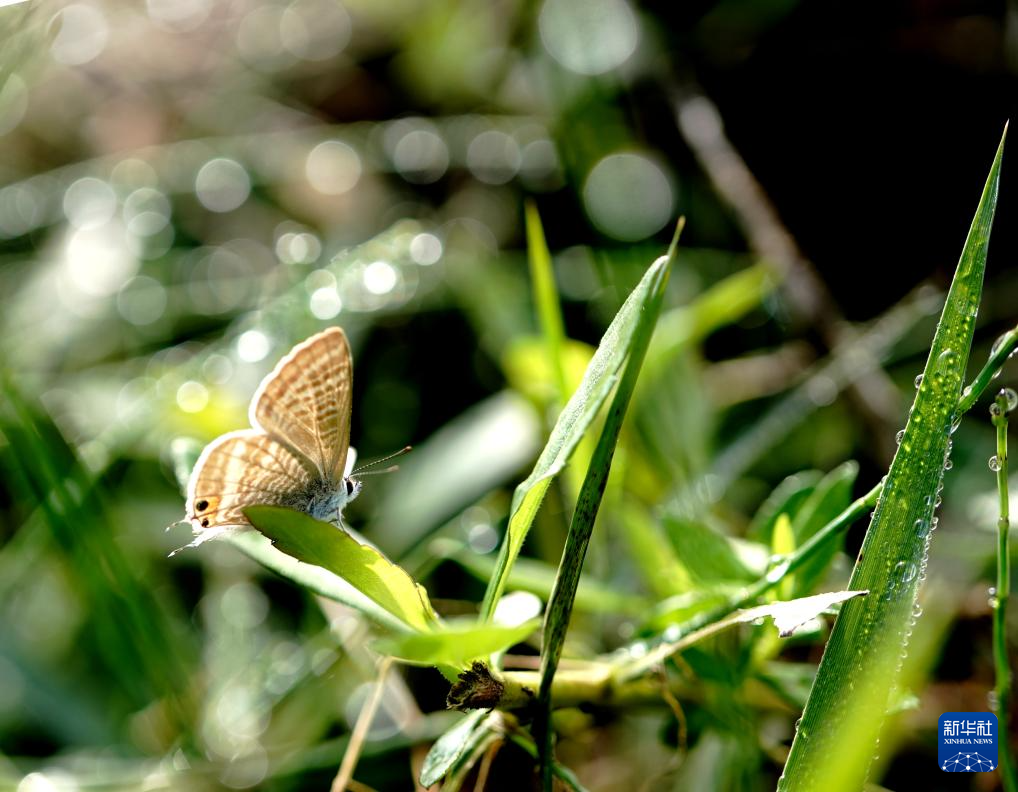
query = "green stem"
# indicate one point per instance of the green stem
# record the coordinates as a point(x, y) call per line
point(1003, 348)
point(998, 411)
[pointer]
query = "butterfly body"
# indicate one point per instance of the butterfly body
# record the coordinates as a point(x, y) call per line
point(323, 500)
point(296, 452)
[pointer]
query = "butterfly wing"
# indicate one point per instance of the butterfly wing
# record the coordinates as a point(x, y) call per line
point(237, 470)
point(305, 402)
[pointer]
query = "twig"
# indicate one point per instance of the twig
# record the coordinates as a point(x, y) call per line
point(360, 731)
point(700, 124)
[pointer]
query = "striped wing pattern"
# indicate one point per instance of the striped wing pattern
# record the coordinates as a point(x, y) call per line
point(305, 402)
point(237, 470)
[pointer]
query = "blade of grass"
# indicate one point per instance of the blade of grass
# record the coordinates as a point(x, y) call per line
point(563, 594)
point(129, 628)
point(542, 275)
point(840, 726)
point(575, 418)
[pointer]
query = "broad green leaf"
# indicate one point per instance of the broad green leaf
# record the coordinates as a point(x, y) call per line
point(840, 726)
point(786, 498)
point(708, 556)
point(831, 496)
point(576, 416)
point(450, 747)
point(454, 645)
point(648, 544)
point(312, 577)
point(365, 568)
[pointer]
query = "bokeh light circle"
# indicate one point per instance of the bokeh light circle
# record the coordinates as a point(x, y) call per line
point(142, 300)
point(222, 185)
point(629, 196)
point(82, 33)
point(89, 203)
point(589, 36)
point(333, 167)
point(417, 150)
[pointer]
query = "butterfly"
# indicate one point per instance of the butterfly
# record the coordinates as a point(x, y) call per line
point(297, 451)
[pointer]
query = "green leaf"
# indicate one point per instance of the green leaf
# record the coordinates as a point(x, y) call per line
point(528, 371)
point(648, 544)
point(788, 616)
point(831, 496)
point(448, 748)
point(783, 543)
point(708, 556)
point(365, 568)
point(576, 417)
point(454, 645)
point(314, 578)
point(841, 724)
point(786, 498)
point(542, 275)
point(587, 504)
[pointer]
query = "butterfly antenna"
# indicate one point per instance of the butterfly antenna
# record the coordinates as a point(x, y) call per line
point(399, 453)
point(390, 469)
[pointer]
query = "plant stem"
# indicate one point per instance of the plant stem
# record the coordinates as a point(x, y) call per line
point(999, 411)
point(1003, 348)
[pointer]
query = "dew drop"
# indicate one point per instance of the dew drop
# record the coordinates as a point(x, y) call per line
point(994, 463)
point(922, 527)
point(948, 464)
point(945, 361)
point(1001, 340)
point(898, 437)
point(918, 380)
point(1010, 398)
